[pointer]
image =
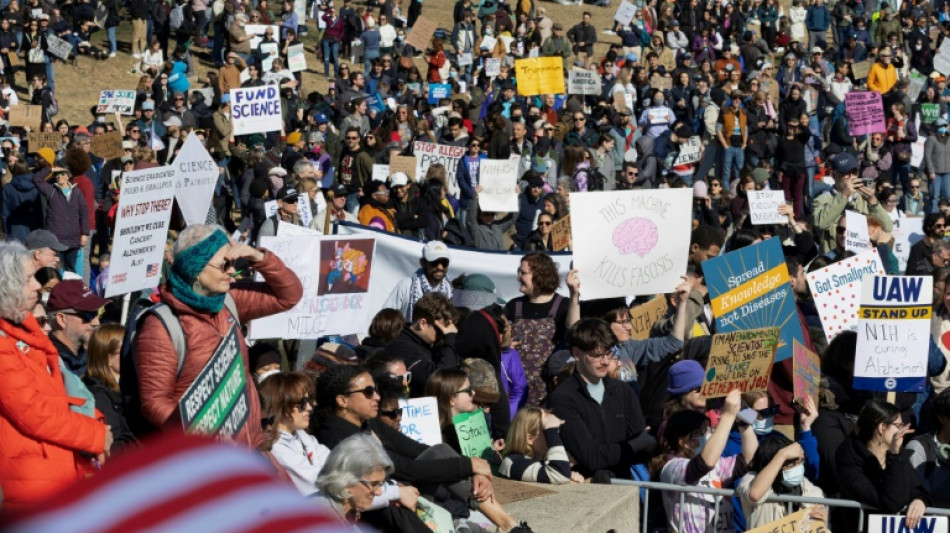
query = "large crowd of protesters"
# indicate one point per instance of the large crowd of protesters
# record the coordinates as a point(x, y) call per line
point(569, 395)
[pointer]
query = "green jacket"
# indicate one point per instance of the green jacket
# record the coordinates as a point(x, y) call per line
point(829, 207)
point(559, 46)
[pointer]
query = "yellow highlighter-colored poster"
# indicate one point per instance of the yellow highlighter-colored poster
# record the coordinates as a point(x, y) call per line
point(540, 75)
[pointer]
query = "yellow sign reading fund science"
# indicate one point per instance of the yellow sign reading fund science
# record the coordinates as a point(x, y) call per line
point(540, 75)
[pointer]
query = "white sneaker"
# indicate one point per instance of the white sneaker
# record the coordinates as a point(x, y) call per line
point(609, 32)
point(112, 54)
point(137, 55)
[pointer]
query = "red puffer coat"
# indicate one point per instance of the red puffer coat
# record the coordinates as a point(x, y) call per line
point(160, 384)
point(39, 436)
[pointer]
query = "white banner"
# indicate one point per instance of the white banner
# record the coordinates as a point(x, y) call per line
point(197, 174)
point(837, 290)
point(625, 12)
point(763, 207)
point(628, 243)
point(580, 81)
point(141, 227)
point(430, 153)
point(856, 239)
point(112, 101)
point(907, 232)
point(420, 420)
point(890, 523)
point(256, 110)
point(337, 275)
point(398, 257)
point(499, 181)
point(296, 59)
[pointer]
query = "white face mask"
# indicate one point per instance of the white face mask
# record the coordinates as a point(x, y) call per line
point(794, 476)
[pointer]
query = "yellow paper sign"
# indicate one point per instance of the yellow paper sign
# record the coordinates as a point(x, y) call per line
point(540, 75)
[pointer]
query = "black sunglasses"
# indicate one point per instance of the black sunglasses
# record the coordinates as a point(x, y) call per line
point(768, 412)
point(394, 414)
point(85, 316)
point(368, 392)
point(302, 403)
point(440, 262)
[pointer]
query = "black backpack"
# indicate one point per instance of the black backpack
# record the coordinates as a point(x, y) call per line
point(595, 180)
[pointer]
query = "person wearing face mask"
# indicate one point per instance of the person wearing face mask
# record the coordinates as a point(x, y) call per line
point(937, 157)
point(778, 467)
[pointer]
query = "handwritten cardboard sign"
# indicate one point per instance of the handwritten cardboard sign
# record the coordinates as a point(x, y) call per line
point(798, 522)
point(420, 420)
point(473, 435)
point(540, 75)
point(26, 115)
point(645, 315)
point(58, 47)
point(296, 59)
point(763, 207)
point(893, 333)
point(422, 32)
point(865, 112)
point(428, 154)
point(625, 12)
point(690, 152)
point(806, 369)
point(836, 290)
point(403, 163)
point(861, 70)
point(120, 100)
point(36, 140)
point(561, 234)
point(740, 360)
point(108, 146)
point(663, 83)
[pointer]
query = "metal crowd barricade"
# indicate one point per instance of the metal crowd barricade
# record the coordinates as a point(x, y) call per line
point(720, 493)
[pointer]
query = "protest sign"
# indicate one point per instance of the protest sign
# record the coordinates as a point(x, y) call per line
point(917, 84)
point(336, 274)
point(798, 522)
point(663, 83)
point(256, 110)
point(464, 59)
point(473, 435)
point(583, 81)
point(561, 234)
point(806, 371)
point(488, 43)
point(893, 333)
point(917, 150)
point(492, 67)
point(628, 243)
point(428, 154)
point(420, 420)
point(36, 140)
point(256, 31)
point(58, 47)
point(303, 209)
point(865, 112)
point(763, 207)
point(422, 32)
point(197, 176)
point(499, 181)
point(942, 59)
point(296, 59)
point(216, 403)
point(141, 226)
point(439, 91)
point(108, 145)
point(690, 152)
point(749, 288)
point(929, 113)
point(625, 12)
point(885, 523)
point(739, 360)
point(403, 163)
point(112, 101)
point(540, 75)
point(381, 173)
point(26, 115)
point(285, 229)
point(907, 232)
point(836, 289)
point(861, 69)
point(856, 237)
point(645, 315)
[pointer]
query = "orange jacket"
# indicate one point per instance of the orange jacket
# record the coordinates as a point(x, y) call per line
point(161, 385)
point(39, 435)
point(374, 217)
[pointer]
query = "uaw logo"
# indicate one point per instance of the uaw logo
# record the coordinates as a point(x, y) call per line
point(890, 383)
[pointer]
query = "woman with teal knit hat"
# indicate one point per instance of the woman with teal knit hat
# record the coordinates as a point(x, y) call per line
point(200, 280)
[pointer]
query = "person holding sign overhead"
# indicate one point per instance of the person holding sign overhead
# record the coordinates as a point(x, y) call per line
point(200, 281)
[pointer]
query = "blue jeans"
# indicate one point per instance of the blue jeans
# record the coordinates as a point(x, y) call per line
point(710, 159)
point(368, 57)
point(734, 157)
point(353, 203)
point(50, 74)
point(939, 188)
point(901, 174)
point(111, 33)
point(331, 53)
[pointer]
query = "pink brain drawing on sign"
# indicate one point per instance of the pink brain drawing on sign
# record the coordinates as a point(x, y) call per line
point(635, 235)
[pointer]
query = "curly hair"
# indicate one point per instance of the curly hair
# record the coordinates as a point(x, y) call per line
point(544, 276)
point(333, 382)
point(14, 259)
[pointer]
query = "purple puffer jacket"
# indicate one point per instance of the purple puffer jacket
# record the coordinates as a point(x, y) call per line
point(515, 381)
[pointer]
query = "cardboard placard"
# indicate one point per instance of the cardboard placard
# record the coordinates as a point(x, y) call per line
point(26, 115)
point(865, 112)
point(740, 360)
point(890, 523)
point(256, 110)
point(942, 59)
point(540, 75)
point(303, 209)
point(36, 140)
point(907, 232)
point(763, 207)
point(403, 163)
point(256, 31)
point(917, 84)
point(473, 435)
point(439, 91)
point(798, 522)
point(381, 173)
point(561, 234)
point(836, 290)
point(664, 83)
point(806, 372)
point(492, 67)
point(109, 146)
point(582, 81)
point(861, 69)
point(420, 420)
point(628, 243)
point(645, 315)
point(929, 113)
point(216, 402)
point(498, 179)
point(422, 32)
point(894, 333)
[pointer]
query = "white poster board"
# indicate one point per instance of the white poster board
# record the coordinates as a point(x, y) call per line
point(420, 420)
point(141, 226)
point(492, 67)
point(428, 154)
point(381, 173)
point(582, 81)
point(292, 230)
point(942, 59)
point(303, 209)
point(197, 174)
point(763, 207)
point(112, 101)
point(256, 110)
point(907, 232)
point(498, 179)
point(891, 523)
point(836, 289)
point(857, 240)
point(625, 12)
point(256, 31)
point(58, 47)
point(296, 59)
point(628, 243)
point(690, 152)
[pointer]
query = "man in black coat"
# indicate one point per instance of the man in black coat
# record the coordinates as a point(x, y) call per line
point(428, 343)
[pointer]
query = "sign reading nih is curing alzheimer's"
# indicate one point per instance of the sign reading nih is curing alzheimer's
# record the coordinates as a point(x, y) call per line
point(255, 110)
point(749, 288)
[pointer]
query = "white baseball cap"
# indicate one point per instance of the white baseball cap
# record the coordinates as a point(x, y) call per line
point(399, 179)
point(435, 250)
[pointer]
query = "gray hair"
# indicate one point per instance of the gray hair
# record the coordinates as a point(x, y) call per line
point(939, 246)
point(192, 235)
point(300, 165)
point(352, 459)
point(567, 183)
point(13, 259)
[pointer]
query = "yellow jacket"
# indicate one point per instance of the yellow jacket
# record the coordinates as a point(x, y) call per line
point(881, 78)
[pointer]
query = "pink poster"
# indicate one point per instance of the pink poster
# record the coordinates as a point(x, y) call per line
point(865, 112)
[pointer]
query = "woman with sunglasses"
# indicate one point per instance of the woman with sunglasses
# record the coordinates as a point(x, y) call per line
point(202, 293)
point(541, 239)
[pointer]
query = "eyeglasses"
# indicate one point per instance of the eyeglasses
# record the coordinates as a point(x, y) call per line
point(915, 186)
point(303, 403)
point(372, 485)
point(467, 390)
point(368, 392)
point(394, 414)
point(225, 266)
point(134, 131)
point(768, 412)
point(582, 119)
point(601, 355)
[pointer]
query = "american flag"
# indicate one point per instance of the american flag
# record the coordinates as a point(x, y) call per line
point(151, 270)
